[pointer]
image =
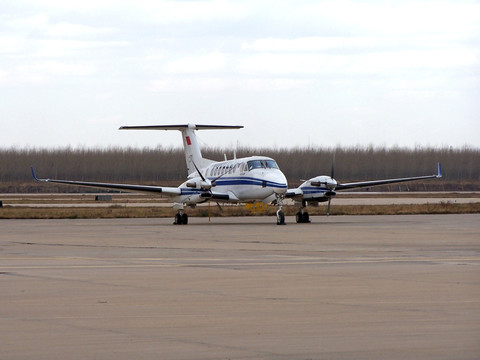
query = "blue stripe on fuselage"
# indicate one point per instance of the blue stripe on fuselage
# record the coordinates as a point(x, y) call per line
point(242, 180)
point(313, 190)
point(233, 181)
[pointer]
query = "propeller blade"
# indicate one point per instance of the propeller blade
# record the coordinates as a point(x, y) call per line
point(198, 171)
point(328, 207)
point(332, 173)
point(214, 181)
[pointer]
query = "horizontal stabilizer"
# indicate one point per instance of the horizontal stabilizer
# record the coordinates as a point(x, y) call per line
point(181, 127)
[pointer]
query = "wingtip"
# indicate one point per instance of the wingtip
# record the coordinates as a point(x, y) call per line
point(439, 170)
point(33, 173)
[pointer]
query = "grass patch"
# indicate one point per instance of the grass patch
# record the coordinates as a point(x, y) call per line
point(8, 212)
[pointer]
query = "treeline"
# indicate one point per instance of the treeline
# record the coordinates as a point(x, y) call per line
point(167, 165)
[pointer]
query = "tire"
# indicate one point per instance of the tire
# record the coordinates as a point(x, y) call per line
point(184, 219)
point(299, 217)
point(178, 219)
point(305, 217)
point(280, 218)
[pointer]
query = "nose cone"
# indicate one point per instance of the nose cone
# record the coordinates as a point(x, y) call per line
point(277, 180)
point(331, 184)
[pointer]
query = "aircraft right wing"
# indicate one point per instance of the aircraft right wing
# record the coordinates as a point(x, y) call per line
point(168, 191)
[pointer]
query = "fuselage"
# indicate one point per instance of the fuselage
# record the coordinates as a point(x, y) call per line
point(255, 178)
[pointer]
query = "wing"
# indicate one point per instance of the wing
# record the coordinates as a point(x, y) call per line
point(168, 191)
point(322, 188)
point(387, 181)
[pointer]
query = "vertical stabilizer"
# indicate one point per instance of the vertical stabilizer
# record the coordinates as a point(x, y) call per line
point(192, 149)
point(189, 138)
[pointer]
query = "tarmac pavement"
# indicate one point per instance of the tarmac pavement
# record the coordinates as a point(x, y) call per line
point(342, 287)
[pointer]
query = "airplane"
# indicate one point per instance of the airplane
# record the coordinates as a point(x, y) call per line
point(244, 180)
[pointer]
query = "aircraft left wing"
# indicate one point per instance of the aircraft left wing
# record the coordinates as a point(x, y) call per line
point(322, 188)
point(387, 181)
point(168, 191)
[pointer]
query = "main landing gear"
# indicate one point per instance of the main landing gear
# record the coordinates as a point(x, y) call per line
point(302, 216)
point(280, 214)
point(181, 218)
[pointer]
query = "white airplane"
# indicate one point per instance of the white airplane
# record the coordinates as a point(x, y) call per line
point(245, 180)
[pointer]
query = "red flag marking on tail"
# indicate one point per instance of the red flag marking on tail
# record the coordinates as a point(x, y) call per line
point(188, 140)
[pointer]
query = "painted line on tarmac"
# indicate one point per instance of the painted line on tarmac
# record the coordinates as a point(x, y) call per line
point(245, 264)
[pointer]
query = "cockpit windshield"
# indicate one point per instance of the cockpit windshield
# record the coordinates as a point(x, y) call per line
point(262, 164)
point(271, 164)
point(254, 164)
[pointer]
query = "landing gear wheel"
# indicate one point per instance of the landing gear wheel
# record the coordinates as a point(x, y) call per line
point(280, 217)
point(305, 217)
point(178, 219)
point(181, 219)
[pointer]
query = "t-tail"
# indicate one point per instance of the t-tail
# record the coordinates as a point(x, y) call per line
point(193, 154)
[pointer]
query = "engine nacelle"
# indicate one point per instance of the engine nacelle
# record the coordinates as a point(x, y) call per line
point(198, 183)
point(198, 198)
point(323, 180)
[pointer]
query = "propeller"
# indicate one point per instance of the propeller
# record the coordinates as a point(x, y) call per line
point(332, 173)
point(209, 183)
point(329, 183)
point(206, 183)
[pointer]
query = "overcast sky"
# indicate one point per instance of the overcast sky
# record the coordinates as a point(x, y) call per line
point(294, 73)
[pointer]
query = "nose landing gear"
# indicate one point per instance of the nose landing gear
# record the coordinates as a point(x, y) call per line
point(280, 214)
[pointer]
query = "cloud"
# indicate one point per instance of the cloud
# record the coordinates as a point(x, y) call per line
point(46, 71)
point(283, 59)
point(69, 30)
point(309, 44)
point(392, 18)
point(105, 120)
point(262, 84)
point(291, 63)
point(219, 84)
point(189, 85)
point(214, 62)
point(363, 55)
point(186, 12)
